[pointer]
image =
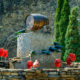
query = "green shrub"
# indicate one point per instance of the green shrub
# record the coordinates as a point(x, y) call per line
point(57, 19)
point(64, 20)
point(72, 40)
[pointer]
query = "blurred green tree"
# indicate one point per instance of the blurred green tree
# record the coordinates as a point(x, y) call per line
point(64, 20)
point(72, 40)
point(57, 19)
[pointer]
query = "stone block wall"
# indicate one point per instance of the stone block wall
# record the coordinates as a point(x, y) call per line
point(44, 74)
point(35, 41)
point(46, 61)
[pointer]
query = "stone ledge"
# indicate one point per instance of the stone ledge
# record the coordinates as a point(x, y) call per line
point(43, 74)
point(41, 70)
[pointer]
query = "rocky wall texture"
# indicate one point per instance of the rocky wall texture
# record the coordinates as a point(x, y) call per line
point(44, 74)
point(13, 14)
point(46, 61)
point(33, 41)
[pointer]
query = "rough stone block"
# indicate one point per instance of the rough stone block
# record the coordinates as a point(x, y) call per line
point(35, 41)
point(46, 61)
point(14, 73)
point(6, 73)
point(14, 79)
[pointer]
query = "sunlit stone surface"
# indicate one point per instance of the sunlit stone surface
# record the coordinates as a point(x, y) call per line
point(33, 41)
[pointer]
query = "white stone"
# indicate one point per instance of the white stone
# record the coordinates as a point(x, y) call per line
point(35, 41)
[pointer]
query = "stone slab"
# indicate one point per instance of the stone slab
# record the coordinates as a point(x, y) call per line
point(33, 41)
point(46, 61)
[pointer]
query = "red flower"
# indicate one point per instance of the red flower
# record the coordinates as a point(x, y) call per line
point(5, 53)
point(1, 52)
point(68, 60)
point(57, 63)
point(73, 56)
point(29, 64)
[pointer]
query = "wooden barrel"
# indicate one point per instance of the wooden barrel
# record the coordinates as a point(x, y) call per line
point(36, 22)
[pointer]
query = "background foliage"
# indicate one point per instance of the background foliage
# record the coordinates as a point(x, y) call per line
point(72, 38)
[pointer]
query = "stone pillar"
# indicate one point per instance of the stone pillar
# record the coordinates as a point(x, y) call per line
point(35, 41)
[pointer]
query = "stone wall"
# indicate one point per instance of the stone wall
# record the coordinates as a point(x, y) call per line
point(46, 61)
point(33, 41)
point(44, 74)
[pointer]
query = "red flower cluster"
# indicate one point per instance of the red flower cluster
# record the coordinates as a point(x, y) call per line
point(57, 63)
point(29, 64)
point(3, 53)
point(35, 64)
point(70, 58)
